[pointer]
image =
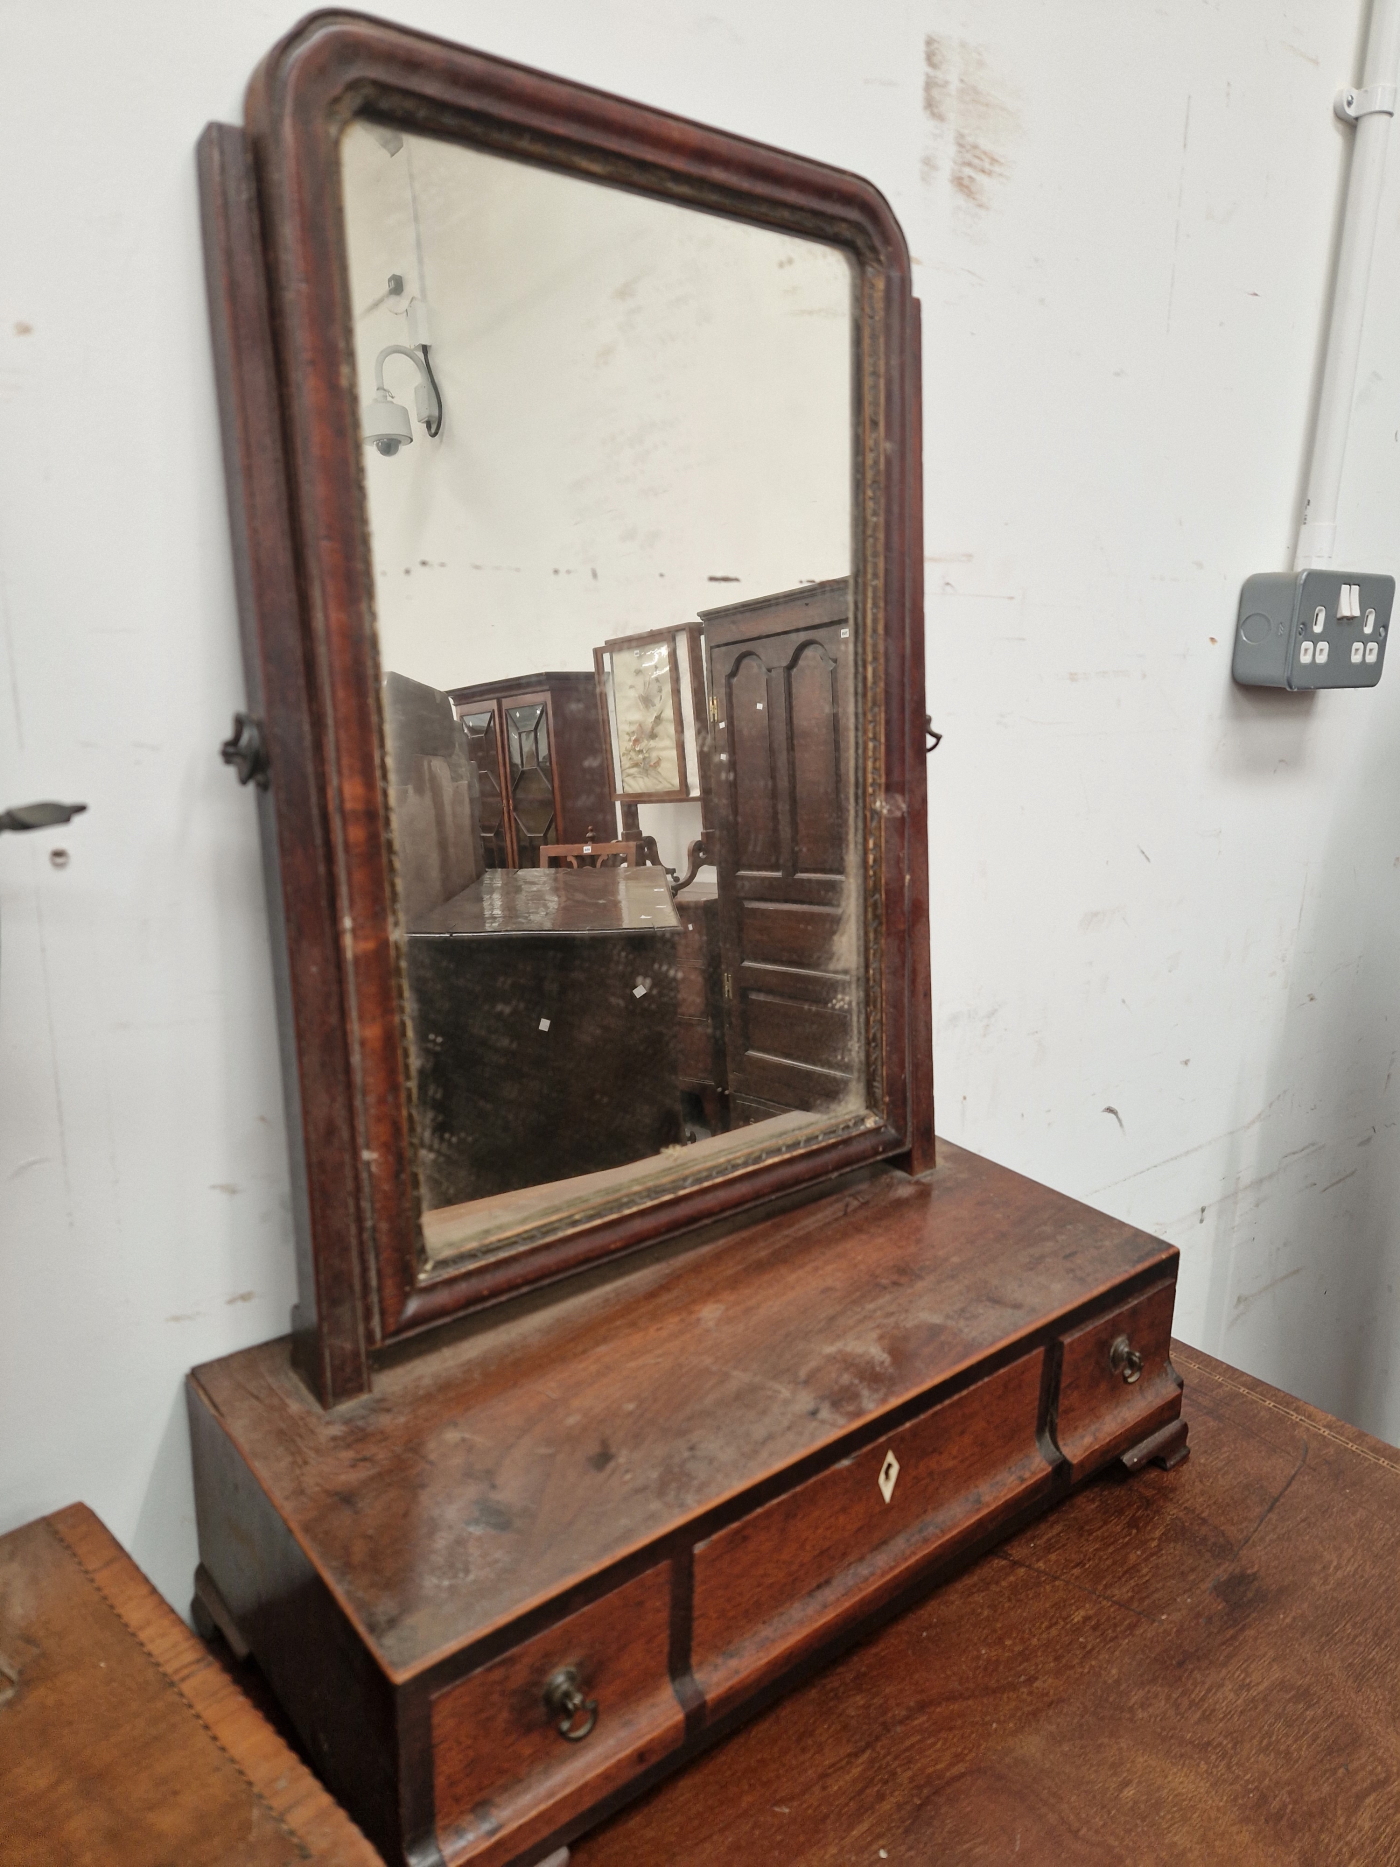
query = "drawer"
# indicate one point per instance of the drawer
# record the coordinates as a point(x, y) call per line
point(778, 1582)
point(784, 933)
point(692, 1000)
point(746, 1109)
point(503, 1776)
point(1100, 1411)
point(700, 926)
point(784, 1027)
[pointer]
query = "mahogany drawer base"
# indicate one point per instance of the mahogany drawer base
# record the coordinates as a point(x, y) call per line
point(543, 1563)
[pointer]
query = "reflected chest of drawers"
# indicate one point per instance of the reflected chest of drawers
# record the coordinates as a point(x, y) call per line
point(700, 1003)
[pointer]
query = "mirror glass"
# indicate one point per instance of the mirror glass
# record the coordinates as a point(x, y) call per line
point(608, 465)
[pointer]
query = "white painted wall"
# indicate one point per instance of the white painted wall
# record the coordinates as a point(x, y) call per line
point(1121, 218)
point(647, 410)
point(647, 415)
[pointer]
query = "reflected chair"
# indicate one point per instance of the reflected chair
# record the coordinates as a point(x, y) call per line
point(592, 855)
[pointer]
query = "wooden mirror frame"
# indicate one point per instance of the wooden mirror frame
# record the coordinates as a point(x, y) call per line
point(279, 295)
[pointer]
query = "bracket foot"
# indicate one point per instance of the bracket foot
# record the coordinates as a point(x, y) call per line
point(209, 1610)
point(1166, 1447)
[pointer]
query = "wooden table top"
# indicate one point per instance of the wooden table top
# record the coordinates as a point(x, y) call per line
point(556, 901)
point(123, 1742)
point(1194, 1666)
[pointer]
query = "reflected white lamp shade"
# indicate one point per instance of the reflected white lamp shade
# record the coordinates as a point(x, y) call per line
point(386, 423)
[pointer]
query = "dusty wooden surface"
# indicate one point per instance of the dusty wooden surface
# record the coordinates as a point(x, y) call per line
point(568, 1435)
point(1194, 1666)
point(557, 901)
point(123, 1742)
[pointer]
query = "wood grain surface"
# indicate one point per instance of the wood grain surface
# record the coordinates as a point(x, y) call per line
point(525, 1456)
point(1094, 1400)
point(772, 1585)
point(499, 1765)
point(1194, 1666)
point(330, 1324)
point(123, 1743)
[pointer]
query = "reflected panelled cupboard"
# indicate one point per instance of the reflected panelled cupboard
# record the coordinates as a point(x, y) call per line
point(780, 672)
point(644, 1351)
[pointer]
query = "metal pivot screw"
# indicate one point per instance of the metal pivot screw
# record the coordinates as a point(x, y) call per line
point(564, 1701)
point(246, 751)
point(1124, 1359)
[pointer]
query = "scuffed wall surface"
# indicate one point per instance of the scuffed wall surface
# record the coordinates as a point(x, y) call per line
point(1166, 906)
point(650, 411)
point(1162, 908)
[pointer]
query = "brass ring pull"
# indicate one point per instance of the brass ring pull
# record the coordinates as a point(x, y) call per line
point(1124, 1359)
point(564, 1701)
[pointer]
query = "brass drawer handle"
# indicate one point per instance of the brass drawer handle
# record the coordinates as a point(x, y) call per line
point(1124, 1359)
point(564, 1700)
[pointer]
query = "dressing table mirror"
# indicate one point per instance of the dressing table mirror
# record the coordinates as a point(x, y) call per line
point(642, 1356)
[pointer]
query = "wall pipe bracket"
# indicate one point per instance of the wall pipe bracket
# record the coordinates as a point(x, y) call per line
point(1375, 100)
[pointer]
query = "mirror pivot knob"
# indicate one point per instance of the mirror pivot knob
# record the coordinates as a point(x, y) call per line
point(246, 751)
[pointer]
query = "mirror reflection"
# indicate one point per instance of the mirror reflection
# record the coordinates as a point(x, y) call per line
point(608, 467)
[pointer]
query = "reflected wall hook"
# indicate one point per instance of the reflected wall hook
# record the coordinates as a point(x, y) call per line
point(934, 740)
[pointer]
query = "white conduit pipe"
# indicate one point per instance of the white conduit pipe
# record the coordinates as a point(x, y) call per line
point(1370, 108)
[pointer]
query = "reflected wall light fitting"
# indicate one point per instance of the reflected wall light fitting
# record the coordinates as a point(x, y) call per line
point(386, 424)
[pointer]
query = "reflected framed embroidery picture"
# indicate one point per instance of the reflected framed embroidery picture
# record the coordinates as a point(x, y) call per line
point(639, 691)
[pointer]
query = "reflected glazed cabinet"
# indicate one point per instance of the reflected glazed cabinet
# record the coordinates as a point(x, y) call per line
point(546, 1562)
point(538, 751)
